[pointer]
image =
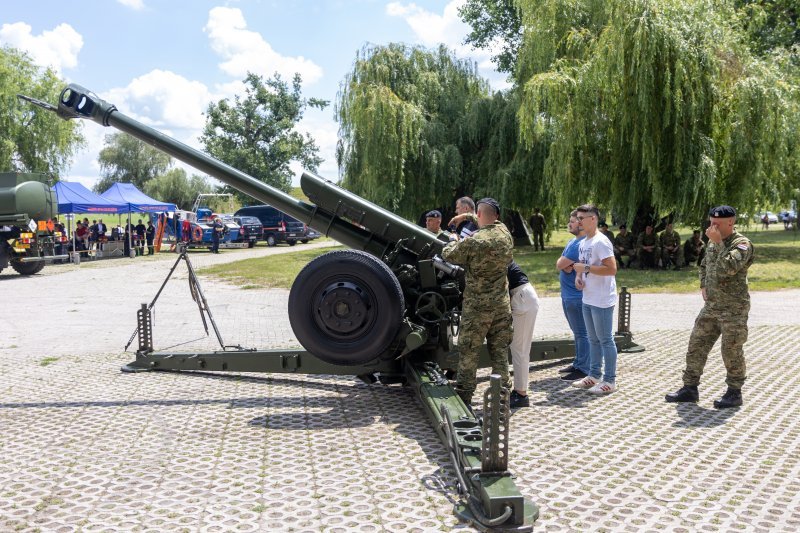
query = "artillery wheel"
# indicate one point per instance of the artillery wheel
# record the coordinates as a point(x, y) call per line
point(346, 307)
point(27, 269)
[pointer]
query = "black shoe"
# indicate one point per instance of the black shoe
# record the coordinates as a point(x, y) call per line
point(517, 400)
point(684, 394)
point(731, 398)
point(567, 369)
point(573, 376)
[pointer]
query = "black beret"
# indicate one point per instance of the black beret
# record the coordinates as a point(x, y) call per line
point(722, 211)
point(490, 202)
point(433, 214)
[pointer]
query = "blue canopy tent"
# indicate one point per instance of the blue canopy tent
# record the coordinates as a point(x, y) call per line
point(139, 202)
point(75, 198)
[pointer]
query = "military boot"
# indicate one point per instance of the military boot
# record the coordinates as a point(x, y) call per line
point(687, 393)
point(731, 398)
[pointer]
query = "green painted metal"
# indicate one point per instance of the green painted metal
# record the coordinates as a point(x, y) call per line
point(25, 196)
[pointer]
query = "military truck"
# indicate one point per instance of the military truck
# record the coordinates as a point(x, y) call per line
point(28, 236)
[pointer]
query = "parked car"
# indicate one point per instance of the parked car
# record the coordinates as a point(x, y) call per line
point(787, 216)
point(252, 230)
point(310, 235)
point(278, 226)
point(772, 217)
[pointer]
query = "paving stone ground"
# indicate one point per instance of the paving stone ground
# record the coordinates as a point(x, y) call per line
point(84, 447)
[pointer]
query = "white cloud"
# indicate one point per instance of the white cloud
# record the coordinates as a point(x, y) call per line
point(243, 50)
point(163, 99)
point(57, 48)
point(431, 28)
point(136, 5)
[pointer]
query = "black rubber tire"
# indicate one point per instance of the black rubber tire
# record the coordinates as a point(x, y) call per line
point(378, 290)
point(291, 242)
point(27, 269)
point(251, 244)
point(271, 240)
point(304, 241)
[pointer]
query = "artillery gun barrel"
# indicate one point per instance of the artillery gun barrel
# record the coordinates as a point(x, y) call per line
point(340, 214)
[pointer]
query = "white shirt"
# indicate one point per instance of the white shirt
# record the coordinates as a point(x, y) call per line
point(599, 291)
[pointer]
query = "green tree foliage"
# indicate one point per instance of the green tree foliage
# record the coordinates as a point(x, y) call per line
point(495, 25)
point(256, 132)
point(125, 159)
point(401, 113)
point(32, 139)
point(175, 187)
point(654, 103)
point(770, 24)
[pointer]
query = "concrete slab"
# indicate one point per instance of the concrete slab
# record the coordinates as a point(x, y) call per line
point(85, 447)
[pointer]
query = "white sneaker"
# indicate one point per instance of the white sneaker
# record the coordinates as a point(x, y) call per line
point(603, 387)
point(585, 383)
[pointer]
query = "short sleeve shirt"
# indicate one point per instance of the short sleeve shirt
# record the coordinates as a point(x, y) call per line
point(599, 291)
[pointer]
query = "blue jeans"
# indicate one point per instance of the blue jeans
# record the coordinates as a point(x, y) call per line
point(573, 310)
point(603, 351)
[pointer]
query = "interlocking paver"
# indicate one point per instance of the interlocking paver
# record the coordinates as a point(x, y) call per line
point(88, 448)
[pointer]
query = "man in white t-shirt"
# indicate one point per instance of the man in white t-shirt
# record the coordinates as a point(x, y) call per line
point(596, 268)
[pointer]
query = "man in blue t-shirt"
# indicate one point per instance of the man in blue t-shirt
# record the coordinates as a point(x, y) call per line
point(572, 303)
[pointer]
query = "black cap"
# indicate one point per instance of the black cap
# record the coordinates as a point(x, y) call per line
point(603, 225)
point(490, 202)
point(433, 214)
point(623, 226)
point(722, 211)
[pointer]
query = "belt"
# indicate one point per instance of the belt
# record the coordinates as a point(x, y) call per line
point(518, 288)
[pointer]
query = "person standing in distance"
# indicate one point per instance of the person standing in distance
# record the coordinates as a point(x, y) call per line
point(486, 308)
point(216, 234)
point(538, 225)
point(572, 302)
point(723, 285)
point(596, 268)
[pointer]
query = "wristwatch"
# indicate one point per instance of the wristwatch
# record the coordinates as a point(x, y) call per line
point(586, 267)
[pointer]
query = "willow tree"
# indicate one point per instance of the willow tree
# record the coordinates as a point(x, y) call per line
point(655, 104)
point(401, 114)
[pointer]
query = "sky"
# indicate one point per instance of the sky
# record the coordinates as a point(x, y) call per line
point(163, 61)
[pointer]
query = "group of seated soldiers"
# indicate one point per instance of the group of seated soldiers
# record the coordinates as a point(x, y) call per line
point(653, 250)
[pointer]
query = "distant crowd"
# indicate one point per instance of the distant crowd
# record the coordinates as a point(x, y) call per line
point(92, 237)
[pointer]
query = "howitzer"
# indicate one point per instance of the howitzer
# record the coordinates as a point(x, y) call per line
point(387, 309)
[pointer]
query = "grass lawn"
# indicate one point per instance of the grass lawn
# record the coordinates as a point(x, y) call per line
point(777, 254)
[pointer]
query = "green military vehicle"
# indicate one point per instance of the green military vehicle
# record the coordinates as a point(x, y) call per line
point(28, 236)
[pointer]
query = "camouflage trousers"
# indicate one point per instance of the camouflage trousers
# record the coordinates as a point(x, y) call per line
point(708, 327)
point(495, 327)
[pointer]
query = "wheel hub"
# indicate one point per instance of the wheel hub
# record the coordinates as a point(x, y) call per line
point(343, 308)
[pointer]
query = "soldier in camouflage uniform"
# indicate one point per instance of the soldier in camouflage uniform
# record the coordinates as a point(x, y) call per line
point(538, 225)
point(671, 250)
point(723, 283)
point(486, 309)
point(624, 245)
point(647, 248)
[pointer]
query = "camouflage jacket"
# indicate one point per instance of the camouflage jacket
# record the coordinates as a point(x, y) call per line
point(646, 240)
point(537, 222)
point(723, 272)
point(670, 239)
point(485, 257)
point(624, 241)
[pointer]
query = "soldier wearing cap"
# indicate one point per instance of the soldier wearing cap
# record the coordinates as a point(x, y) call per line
point(433, 222)
point(486, 309)
point(723, 284)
